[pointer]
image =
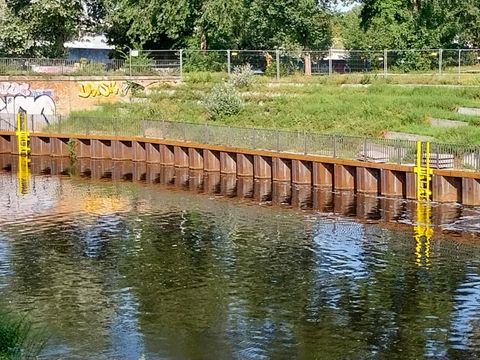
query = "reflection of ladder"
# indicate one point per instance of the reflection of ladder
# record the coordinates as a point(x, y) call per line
point(23, 174)
point(423, 228)
point(23, 140)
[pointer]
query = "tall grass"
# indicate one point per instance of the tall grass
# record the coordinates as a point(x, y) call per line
point(325, 108)
point(17, 338)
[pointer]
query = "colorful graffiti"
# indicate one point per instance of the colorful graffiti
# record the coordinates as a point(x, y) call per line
point(98, 89)
point(15, 96)
point(14, 89)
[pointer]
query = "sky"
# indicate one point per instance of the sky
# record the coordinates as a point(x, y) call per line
point(342, 7)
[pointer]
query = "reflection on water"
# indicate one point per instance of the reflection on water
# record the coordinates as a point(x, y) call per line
point(143, 270)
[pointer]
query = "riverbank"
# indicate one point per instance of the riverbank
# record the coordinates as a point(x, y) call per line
point(323, 105)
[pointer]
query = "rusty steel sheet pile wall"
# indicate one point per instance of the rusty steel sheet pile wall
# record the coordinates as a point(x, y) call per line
point(372, 166)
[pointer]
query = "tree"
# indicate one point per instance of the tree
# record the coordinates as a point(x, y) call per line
point(40, 28)
point(218, 24)
point(408, 23)
point(156, 24)
point(465, 17)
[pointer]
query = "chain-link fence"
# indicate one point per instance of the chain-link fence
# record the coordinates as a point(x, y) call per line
point(377, 150)
point(271, 63)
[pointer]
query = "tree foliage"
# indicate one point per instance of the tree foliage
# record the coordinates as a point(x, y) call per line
point(218, 24)
point(40, 28)
point(412, 24)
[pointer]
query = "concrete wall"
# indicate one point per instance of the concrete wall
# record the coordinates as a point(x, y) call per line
point(46, 97)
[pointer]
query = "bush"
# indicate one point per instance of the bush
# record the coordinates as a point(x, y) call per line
point(271, 69)
point(198, 60)
point(198, 77)
point(223, 100)
point(242, 76)
point(89, 68)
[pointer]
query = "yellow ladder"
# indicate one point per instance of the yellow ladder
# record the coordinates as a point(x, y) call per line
point(23, 135)
point(424, 173)
point(23, 143)
point(423, 228)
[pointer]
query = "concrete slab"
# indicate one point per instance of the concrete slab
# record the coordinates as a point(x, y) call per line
point(469, 111)
point(406, 136)
point(447, 123)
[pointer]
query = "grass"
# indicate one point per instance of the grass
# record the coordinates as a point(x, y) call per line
point(318, 106)
point(17, 338)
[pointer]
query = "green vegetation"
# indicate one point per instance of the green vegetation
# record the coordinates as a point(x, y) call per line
point(17, 339)
point(40, 28)
point(321, 106)
point(223, 101)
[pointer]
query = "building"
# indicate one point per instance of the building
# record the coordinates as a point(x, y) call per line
point(89, 47)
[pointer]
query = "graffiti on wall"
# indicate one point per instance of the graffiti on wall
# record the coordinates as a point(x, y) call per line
point(97, 89)
point(15, 96)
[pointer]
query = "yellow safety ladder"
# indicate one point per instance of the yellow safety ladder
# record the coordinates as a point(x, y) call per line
point(23, 141)
point(423, 227)
point(23, 135)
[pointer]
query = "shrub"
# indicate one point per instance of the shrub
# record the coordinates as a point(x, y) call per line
point(199, 77)
point(89, 68)
point(271, 69)
point(242, 76)
point(223, 100)
point(200, 60)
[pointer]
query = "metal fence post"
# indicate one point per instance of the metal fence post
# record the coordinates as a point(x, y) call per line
point(459, 61)
point(181, 63)
point(477, 160)
point(365, 149)
point(385, 63)
point(142, 127)
point(305, 150)
point(114, 127)
point(229, 63)
point(254, 140)
point(330, 62)
point(440, 61)
point(334, 146)
point(130, 62)
point(87, 130)
point(277, 135)
point(163, 129)
point(277, 59)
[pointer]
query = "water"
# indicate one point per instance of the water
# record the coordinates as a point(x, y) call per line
point(122, 270)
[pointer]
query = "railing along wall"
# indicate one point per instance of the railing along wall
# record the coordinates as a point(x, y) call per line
point(378, 150)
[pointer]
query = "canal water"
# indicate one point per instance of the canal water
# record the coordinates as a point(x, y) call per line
point(130, 270)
